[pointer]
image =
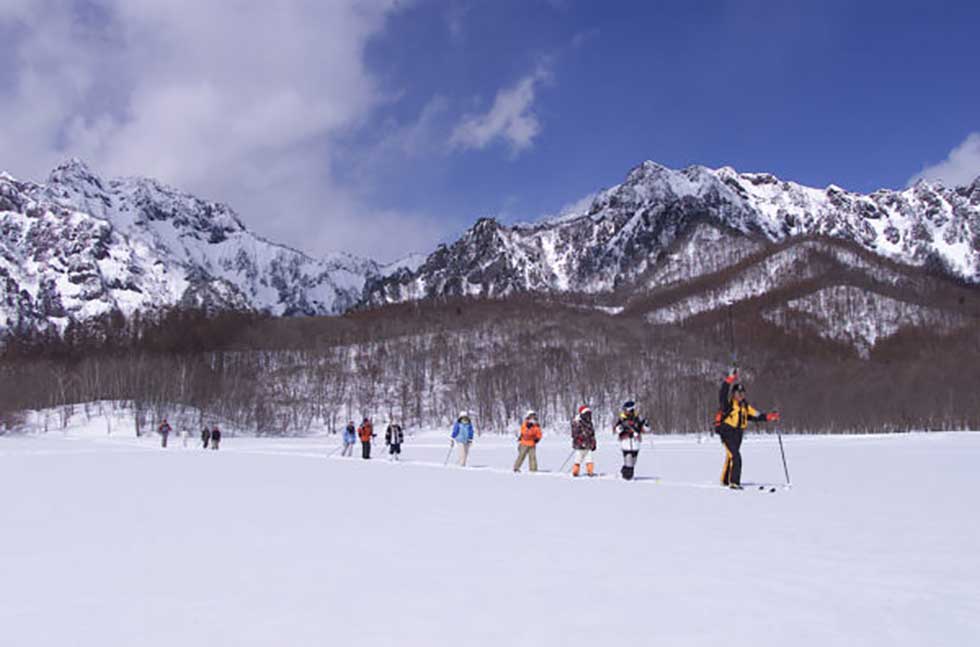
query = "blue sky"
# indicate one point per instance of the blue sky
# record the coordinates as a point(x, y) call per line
point(413, 119)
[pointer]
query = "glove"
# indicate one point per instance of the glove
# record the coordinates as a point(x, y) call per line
point(772, 416)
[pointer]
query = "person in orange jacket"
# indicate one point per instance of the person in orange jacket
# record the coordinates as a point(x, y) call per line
point(530, 436)
point(366, 432)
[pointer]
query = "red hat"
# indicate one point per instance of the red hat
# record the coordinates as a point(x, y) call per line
point(584, 409)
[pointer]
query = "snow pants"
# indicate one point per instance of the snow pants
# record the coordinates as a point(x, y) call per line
point(629, 463)
point(529, 451)
point(205, 440)
point(731, 438)
point(164, 442)
point(395, 449)
point(582, 456)
point(365, 449)
point(214, 443)
point(348, 449)
point(464, 453)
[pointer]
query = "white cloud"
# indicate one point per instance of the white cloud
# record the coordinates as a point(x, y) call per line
point(510, 119)
point(960, 167)
point(236, 101)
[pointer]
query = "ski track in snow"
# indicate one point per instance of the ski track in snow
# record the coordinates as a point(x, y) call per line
point(112, 540)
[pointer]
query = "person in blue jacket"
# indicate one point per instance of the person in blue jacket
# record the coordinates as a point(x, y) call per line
point(350, 436)
point(463, 436)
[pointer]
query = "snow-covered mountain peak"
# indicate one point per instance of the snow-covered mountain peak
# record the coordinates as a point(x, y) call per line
point(81, 245)
point(72, 171)
point(627, 230)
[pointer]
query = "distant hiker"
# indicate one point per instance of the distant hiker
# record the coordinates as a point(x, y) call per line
point(731, 420)
point(583, 441)
point(164, 430)
point(463, 436)
point(394, 436)
point(630, 429)
point(350, 436)
point(215, 438)
point(529, 437)
point(205, 437)
point(366, 432)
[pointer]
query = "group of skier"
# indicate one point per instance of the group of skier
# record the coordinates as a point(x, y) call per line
point(209, 437)
point(734, 414)
point(394, 437)
point(731, 420)
point(629, 429)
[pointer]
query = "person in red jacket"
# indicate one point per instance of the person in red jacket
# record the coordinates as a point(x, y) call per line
point(583, 441)
point(530, 436)
point(366, 432)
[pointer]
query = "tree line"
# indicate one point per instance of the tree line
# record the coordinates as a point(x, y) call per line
point(422, 363)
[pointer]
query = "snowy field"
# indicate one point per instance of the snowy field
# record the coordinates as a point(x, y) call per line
point(111, 540)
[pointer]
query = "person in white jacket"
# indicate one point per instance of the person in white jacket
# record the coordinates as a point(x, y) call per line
point(630, 429)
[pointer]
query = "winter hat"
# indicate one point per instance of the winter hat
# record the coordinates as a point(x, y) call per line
point(531, 414)
point(464, 414)
point(738, 388)
point(629, 406)
point(584, 409)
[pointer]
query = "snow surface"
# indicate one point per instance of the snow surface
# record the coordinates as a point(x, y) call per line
point(111, 540)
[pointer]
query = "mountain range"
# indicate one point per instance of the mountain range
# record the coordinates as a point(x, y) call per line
point(80, 246)
point(667, 245)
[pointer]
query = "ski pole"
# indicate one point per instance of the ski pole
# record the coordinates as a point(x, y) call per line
point(570, 454)
point(731, 338)
point(449, 453)
point(335, 450)
point(782, 453)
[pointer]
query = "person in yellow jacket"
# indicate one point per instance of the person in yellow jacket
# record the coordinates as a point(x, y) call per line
point(530, 436)
point(732, 419)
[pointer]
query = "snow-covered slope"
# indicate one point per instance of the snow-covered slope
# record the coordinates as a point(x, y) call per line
point(628, 230)
point(858, 317)
point(80, 245)
point(111, 540)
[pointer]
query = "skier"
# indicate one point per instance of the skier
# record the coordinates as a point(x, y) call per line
point(630, 429)
point(394, 436)
point(731, 421)
point(215, 437)
point(164, 430)
point(530, 436)
point(350, 435)
point(205, 437)
point(366, 433)
point(463, 436)
point(583, 441)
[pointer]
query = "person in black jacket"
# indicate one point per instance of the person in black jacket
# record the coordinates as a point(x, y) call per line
point(394, 436)
point(205, 437)
point(630, 428)
point(732, 419)
point(215, 438)
point(164, 430)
